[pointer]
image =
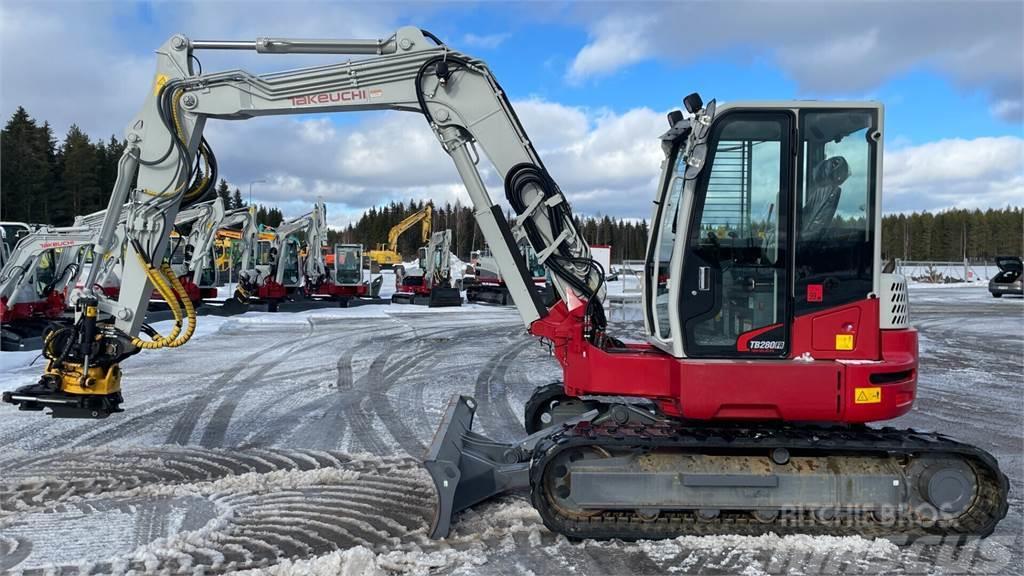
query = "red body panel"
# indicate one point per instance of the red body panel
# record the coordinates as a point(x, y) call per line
point(822, 388)
point(195, 293)
point(420, 288)
point(346, 290)
point(271, 290)
point(50, 307)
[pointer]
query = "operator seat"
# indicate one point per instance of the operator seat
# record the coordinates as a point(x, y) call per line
point(823, 196)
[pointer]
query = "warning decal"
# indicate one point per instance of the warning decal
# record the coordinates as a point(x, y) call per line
point(867, 395)
point(161, 79)
point(844, 341)
point(815, 292)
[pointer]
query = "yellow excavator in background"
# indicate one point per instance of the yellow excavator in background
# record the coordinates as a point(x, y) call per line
point(386, 255)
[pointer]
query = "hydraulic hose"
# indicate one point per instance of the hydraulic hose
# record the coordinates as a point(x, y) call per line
point(171, 290)
point(578, 272)
point(190, 311)
point(167, 293)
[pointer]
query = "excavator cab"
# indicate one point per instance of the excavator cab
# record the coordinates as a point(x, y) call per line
point(348, 264)
point(764, 304)
point(766, 215)
point(292, 263)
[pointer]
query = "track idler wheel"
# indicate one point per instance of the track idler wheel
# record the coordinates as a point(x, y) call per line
point(558, 482)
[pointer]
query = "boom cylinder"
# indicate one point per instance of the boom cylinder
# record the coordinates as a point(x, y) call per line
point(265, 45)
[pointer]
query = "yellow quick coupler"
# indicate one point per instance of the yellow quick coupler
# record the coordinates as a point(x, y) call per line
point(99, 381)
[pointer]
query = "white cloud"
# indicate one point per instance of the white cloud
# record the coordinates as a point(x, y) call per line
point(57, 63)
point(615, 43)
point(486, 41)
point(826, 47)
point(1009, 109)
point(77, 62)
point(955, 173)
point(606, 162)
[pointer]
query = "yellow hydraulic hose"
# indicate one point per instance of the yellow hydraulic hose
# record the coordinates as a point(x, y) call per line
point(190, 311)
point(167, 293)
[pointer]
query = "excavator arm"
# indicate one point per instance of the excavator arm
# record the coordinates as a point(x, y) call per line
point(20, 268)
point(424, 215)
point(411, 71)
point(314, 227)
point(457, 94)
point(203, 219)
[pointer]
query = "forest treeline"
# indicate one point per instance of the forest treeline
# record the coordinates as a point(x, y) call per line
point(952, 235)
point(628, 239)
point(43, 181)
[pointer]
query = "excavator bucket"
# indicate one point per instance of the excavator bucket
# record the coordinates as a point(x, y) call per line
point(468, 468)
point(444, 296)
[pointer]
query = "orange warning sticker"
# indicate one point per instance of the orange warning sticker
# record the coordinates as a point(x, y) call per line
point(844, 341)
point(867, 395)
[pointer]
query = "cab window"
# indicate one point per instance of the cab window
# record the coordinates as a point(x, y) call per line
point(835, 209)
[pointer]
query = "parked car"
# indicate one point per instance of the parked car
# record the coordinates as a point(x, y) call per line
point(1009, 280)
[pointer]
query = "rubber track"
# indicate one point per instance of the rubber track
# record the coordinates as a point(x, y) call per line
point(990, 505)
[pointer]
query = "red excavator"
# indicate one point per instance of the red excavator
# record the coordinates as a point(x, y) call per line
point(773, 337)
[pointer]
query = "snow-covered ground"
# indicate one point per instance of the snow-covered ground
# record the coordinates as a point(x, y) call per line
point(288, 444)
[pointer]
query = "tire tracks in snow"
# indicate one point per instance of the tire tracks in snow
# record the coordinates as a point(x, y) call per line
point(301, 503)
point(493, 397)
point(281, 424)
point(328, 429)
point(400, 421)
point(230, 392)
point(13, 551)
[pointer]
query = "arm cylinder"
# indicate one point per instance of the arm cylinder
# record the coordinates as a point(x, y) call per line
point(125, 172)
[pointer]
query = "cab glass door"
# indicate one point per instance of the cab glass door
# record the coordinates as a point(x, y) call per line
point(658, 273)
point(735, 280)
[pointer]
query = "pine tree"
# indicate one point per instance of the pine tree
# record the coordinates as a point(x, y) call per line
point(108, 155)
point(224, 193)
point(274, 217)
point(25, 170)
point(47, 146)
point(79, 175)
point(236, 201)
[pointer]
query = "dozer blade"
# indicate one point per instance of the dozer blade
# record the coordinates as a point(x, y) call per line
point(441, 297)
point(468, 468)
point(230, 307)
point(403, 298)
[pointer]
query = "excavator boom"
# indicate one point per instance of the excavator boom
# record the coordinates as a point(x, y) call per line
point(387, 255)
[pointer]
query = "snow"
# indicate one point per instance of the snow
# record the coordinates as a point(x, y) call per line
point(287, 444)
point(954, 270)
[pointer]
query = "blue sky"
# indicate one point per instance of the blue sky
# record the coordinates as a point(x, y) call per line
point(592, 82)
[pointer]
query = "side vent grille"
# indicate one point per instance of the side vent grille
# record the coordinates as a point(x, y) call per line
point(895, 305)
